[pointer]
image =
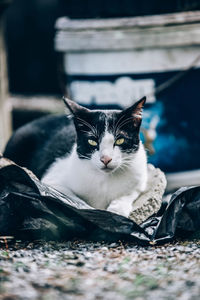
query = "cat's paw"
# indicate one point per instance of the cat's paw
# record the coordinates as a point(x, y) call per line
point(120, 207)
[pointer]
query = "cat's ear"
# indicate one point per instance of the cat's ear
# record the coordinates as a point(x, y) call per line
point(74, 107)
point(136, 109)
point(134, 112)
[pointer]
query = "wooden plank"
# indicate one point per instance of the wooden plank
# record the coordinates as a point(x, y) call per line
point(5, 109)
point(129, 62)
point(46, 104)
point(129, 39)
point(116, 23)
point(179, 179)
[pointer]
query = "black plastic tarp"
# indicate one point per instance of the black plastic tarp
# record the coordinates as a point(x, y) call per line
point(31, 210)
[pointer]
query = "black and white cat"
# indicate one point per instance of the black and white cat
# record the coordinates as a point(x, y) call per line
point(100, 160)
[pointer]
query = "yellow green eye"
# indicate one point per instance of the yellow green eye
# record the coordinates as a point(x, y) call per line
point(119, 141)
point(92, 142)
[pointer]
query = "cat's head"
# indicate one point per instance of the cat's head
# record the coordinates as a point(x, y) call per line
point(108, 138)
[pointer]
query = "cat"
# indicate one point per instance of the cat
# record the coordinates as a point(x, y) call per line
point(96, 155)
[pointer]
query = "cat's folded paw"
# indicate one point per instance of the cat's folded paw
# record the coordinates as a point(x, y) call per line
point(120, 207)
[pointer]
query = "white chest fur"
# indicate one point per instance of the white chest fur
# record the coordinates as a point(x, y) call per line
point(95, 187)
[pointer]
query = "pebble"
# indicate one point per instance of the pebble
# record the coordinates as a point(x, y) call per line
point(88, 270)
point(104, 249)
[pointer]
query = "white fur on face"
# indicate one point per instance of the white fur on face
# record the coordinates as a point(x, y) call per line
point(107, 148)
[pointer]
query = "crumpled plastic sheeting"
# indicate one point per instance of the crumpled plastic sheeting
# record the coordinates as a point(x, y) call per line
point(31, 210)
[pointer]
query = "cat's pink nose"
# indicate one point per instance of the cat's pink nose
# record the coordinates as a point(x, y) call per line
point(105, 159)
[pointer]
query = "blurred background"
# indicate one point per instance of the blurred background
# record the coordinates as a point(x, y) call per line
point(107, 54)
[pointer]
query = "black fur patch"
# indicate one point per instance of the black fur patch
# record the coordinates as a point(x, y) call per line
point(93, 124)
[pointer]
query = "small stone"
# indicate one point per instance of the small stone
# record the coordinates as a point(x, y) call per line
point(104, 249)
point(113, 245)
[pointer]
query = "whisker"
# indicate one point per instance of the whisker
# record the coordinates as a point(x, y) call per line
point(93, 129)
point(84, 131)
point(129, 157)
point(118, 122)
point(123, 167)
point(126, 121)
point(82, 155)
point(125, 164)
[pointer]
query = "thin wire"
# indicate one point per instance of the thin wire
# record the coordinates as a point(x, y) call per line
point(168, 83)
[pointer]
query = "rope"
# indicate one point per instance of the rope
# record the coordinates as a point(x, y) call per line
point(168, 83)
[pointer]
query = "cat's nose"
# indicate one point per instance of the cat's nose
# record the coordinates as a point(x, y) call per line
point(105, 159)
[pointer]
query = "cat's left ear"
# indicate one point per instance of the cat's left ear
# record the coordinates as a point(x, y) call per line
point(135, 112)
point(74, 107)
point(136, 109)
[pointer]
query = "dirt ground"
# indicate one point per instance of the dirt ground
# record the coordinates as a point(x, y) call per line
point(88, 270)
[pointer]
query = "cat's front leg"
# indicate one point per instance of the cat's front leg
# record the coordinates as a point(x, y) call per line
point(123, 205)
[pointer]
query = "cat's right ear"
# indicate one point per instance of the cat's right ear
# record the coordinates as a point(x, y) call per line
point(74, 107)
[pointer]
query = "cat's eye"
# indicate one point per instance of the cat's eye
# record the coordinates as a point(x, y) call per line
point(92, 142)
point(119, 141)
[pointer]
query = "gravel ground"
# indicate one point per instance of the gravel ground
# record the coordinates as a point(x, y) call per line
point(87, 270)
